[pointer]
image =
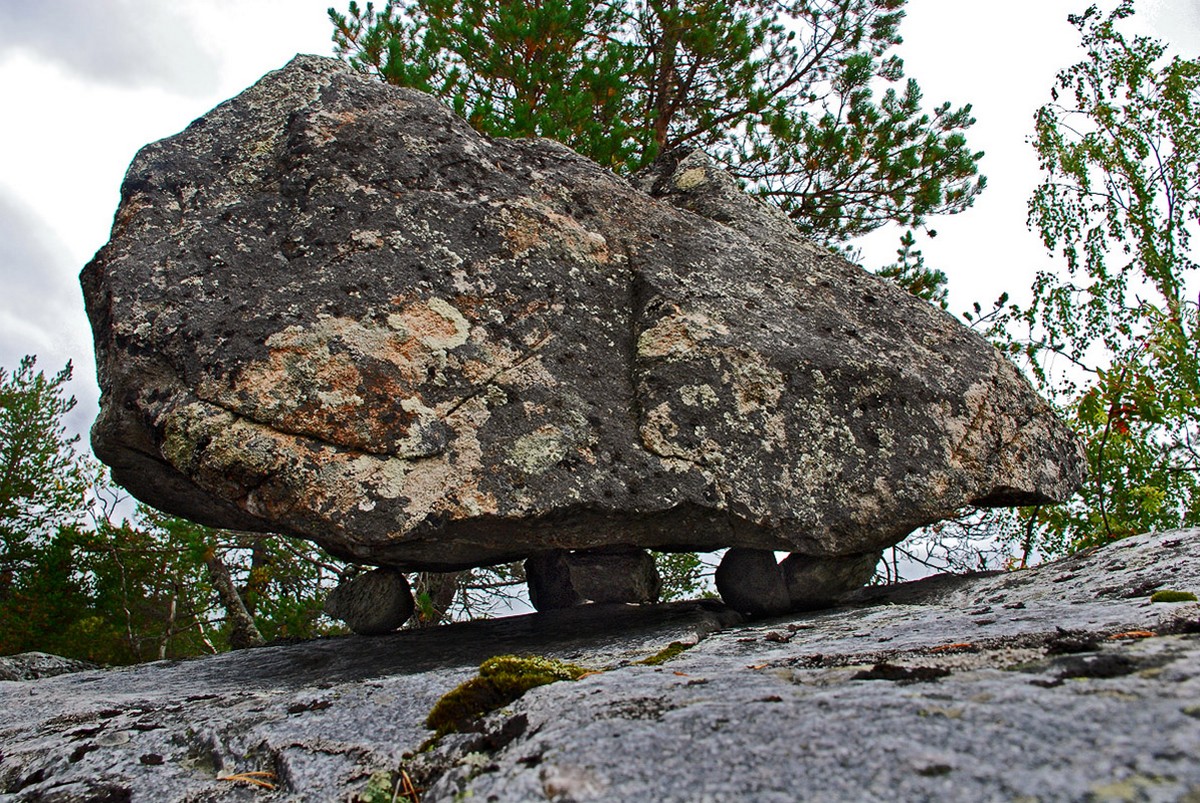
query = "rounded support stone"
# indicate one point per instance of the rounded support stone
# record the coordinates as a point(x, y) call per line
point(549, 579)
point(373, 603)
point(815, 581)
point(750, 582)
point(562, 579)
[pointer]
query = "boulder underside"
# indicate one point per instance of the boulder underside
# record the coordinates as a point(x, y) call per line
point(330, 309)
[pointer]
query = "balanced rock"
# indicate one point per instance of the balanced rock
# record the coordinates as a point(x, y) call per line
point(330, 308)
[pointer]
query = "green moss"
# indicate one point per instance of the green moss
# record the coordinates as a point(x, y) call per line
point(501, 680)
point(1172, 596)
point(666, 653)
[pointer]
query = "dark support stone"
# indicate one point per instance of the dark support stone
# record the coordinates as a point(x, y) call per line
point(549, 579)
point(750, 582)
point(372, 603)
point(814, 581)
point(561, 579)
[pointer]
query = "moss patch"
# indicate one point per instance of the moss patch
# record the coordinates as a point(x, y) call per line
point(501, 680)
point(665, 654)
point(1167, 595)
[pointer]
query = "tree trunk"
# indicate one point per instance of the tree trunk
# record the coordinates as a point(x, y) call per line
point(434, 592)
point(243, 632)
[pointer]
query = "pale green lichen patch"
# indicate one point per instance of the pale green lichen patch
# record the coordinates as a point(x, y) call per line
point(538, 451)
point(461, 329)
point(692, 178)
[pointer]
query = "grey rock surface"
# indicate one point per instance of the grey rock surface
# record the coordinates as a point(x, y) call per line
point(34, 665)
point(329, 308)
point(1059, 683)
point(372, 603)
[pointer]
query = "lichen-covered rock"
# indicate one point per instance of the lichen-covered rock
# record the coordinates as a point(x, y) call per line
point(34, 665)
point(329, 308)
point(372, 603)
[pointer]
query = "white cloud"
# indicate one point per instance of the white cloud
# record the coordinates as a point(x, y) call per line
point(128, 43)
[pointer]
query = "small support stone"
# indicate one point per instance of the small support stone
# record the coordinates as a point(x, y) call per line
point(549, 578)
point(562, 579)
point(373, 603)
point(814, 581)
point(751, 582)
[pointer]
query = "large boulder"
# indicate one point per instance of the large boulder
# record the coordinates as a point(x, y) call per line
point(330, 308)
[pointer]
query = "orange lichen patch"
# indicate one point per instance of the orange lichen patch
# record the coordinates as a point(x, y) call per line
point(528, 226)
point(354, 383)
point(678, 334)
point(1132, 634)
point(963, 646)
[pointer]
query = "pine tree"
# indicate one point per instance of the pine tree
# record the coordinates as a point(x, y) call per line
point(783, 93)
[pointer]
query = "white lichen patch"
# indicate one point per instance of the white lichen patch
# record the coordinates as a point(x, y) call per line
point(538, 451)
point(367, 238)
point(698, 395)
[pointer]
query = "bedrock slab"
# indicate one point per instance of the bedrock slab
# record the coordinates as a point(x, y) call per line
point(329, 308)
point(1060, 683)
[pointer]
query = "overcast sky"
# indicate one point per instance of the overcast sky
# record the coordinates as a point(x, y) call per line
point(85, 83)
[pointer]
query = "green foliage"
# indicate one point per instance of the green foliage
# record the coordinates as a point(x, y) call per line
point(42, 485)
point(500, 681)
point(125, 592)
point(76, 582)
point(911, 273)
point(682, 575)
point(1115, 340)
point(785, 94)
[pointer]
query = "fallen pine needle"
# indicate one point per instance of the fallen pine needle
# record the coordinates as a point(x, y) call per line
point(408, 790)
point(254, 778)
point(948, 647)
point(1132, 634)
